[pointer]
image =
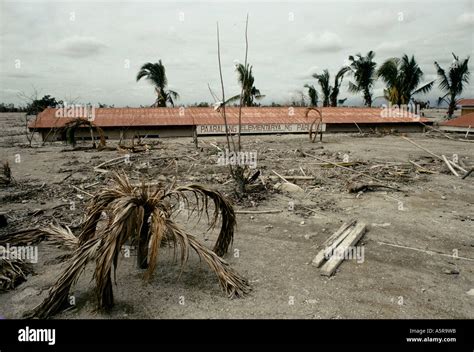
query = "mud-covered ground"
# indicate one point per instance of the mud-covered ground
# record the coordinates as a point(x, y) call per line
point(429, 219)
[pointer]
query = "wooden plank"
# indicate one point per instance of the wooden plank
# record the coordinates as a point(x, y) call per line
point(332, 242)
point(351, 239)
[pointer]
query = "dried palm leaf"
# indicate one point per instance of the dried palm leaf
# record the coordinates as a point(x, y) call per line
point(55, 234)
point(221, 204)
point(12, 272)
point(59, 293)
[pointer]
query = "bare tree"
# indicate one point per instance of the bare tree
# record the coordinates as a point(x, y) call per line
point(240, 173)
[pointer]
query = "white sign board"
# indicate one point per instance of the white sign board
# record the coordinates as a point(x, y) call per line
point(257, 128)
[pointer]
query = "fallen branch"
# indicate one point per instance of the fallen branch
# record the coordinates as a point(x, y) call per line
point(80, 190)
point(360, 131)
point(449, 166)
point(280, 176)
point(109, 161)
point(362, 187)
point(468, 173)
point(343, 167)
point(422, 168)
point(294, 177)
point(433, 154)
point(425, 251)
point(270, 211)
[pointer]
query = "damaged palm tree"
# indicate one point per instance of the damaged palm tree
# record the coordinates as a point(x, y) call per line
point(144, 215)
point(70, 128)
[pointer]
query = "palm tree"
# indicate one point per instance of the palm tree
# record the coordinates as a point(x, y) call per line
point(363, 70)
point(246, 80)
point(144, 215)
point(156, 74)
point(313, 95)
point(330, 93)
point(453, 82)
point(402, 77)
point(323, 80)
point(337, 84)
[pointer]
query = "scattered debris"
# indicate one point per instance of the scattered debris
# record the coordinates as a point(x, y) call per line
point(6, 175)
point(451, 271)
point(287, 187)
point(364, 187)
point(385, 224)
point(269, 211)
point(425, 251)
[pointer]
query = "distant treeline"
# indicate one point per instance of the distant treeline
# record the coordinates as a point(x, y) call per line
point(11, 108)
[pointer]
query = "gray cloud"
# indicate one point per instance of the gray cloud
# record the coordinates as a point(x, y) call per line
point(466, 20)
point(79, 47)
point(325, 42)
point(289, 41)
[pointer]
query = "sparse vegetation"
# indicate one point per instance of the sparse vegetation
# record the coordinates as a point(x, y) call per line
point(403, 78)
point(363, 69)
point(453, 82)
point(156, 74)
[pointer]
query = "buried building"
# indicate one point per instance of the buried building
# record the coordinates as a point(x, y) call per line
point(127, 123)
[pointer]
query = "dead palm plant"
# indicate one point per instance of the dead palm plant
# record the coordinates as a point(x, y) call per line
point(144, 214)
point(317, 124)
point(70, 128)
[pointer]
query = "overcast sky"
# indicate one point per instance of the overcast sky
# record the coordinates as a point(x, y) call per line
point(93, 50)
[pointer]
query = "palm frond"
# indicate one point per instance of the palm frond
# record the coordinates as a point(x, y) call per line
point(58, 294)
point(424, 89)
point(443, 79)
point(353, 88)
point(54, 234)
point(233, 99)
point(221, 205)
point(231, 282)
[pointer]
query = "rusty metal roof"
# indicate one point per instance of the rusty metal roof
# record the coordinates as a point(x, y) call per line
point(153, 117)
point(461, 121)
point(466, 102)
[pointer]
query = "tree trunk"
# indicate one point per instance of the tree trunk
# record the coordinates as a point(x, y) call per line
point(452, 106)
point(107, 299)
point(142, 254)
point(195, 137)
